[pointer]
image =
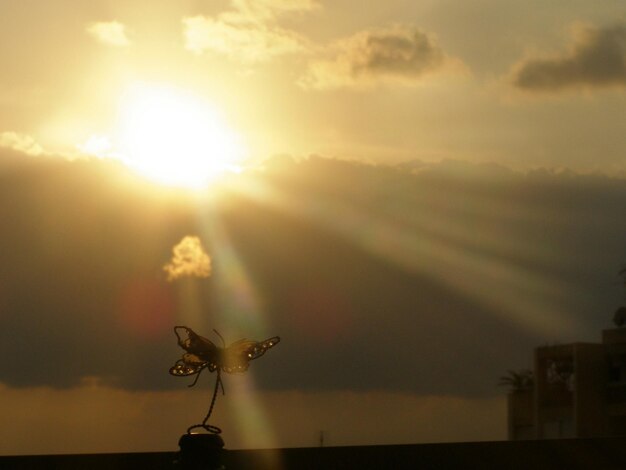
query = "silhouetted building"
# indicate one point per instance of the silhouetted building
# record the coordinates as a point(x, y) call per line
point(579, 390)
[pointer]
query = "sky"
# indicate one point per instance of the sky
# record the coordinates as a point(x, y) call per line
point(412, 194)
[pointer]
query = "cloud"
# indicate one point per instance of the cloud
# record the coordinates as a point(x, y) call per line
point(596, 59)
point(401, 54)
point(97, 145)
point(375, 278)
point(249, 32)
point(93, 418)
point(112, 33)
point(271, 9)
point(189, 259)
point(20, 142)
point(245, 42)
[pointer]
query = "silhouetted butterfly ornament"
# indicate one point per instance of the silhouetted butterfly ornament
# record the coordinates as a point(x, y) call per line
point(204, 354)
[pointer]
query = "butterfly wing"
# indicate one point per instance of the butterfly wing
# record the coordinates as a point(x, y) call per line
point(189, 364)
point(193, 343)
point(238, 355)
point(259, 348)
point(201, 353)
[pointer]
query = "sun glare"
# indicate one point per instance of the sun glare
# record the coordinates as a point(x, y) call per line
point(176, 138)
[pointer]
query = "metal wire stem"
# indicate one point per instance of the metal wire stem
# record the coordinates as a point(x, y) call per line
point(209, 427)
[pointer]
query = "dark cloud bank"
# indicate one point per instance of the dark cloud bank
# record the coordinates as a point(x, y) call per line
point(83, 292)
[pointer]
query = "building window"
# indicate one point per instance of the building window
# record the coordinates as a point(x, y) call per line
point(560, 372)
point(617, 368)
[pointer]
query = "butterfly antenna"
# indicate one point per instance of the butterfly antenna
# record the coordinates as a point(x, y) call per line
point(218, 334)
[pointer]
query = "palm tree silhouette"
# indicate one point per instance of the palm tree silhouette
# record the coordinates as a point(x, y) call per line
point(517, 381)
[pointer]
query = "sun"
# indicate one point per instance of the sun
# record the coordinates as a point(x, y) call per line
point(176, 138)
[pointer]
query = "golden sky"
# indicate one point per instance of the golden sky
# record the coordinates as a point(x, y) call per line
point(457, 172)
point(526, 85)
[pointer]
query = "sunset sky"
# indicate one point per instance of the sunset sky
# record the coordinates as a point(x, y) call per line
point(530, 84)
point(413, 194)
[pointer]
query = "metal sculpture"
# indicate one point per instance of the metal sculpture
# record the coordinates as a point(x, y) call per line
point(202, 354)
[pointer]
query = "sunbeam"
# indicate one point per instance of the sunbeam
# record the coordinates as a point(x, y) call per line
point(239, 310)
point(454, 253)
point(240, 304)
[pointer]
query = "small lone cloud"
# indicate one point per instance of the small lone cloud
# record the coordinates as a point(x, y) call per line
point(188, 259)
point(596, 58)
point(401, 54)
point(112, 33)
